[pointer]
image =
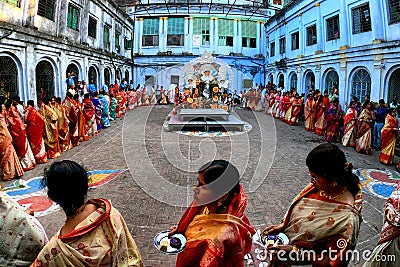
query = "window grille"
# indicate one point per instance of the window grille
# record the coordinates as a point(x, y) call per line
point(332, 28)
point(46, 9)
point(225, 32)
point(272, 49)
point(282, 43)
point(293, 81)
point(150, 32)
point(8, 75)
point(295, 40)
point(361, 85)
point(92, 27)
point(311, 35)
point(116, 41)
point(394, 11)
point(175, 79)
point(12, 2)
point(106, 38)
point(73, 17)
point(249, 34)
point(201, 26)
point(394, 86)
point(44, 79)
point(361, 19)
point(176, 29)
point(332, 79)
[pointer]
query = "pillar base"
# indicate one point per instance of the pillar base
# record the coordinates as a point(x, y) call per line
point(318, 52)
point(344, 47)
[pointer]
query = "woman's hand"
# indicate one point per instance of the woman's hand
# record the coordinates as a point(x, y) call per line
point(276, 228)
point(390, 216)
point(172, 230)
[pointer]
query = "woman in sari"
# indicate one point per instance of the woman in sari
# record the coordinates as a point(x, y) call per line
point(63, 125)
point(271, 102)
point(319, 116)
point(324, 219)
point(94, 233)
point(20, 140)
point(82, 133)
point(388, 244)
point(113, 108)
point(388, 138)
point(289, 107)
point(297, 107)
point(98, 110)
point(88, 113)
point(70, 106)
point(105, 122)
point(350, 129)
point(276, 110)
point(218, 210)
point(145, 97)
point(121, 103)
point(35, 124)
point(9, 163)
point(309, 113)
point(333, 121)
point(50, 135)
point(131, 99)
point(364, 129)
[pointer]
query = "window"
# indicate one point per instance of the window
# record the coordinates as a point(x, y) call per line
point(332, 28)
point(282, 43)
point(73, 17)
point(293, 81)
point(332, 79)
point(295, 40)
point(116, 41)
point(201, 26)
point(175, 35)
point(46, 8)
point(272, 49)
point(12, 2)
point(361, 85)
point(225, 32)
point(249, 34)
point(150, 32)
point(106, 38)
point(394, 11)
point(175, 79)
point(92, 27)
point(311, 35)
point(361, 19)
point(127, 44)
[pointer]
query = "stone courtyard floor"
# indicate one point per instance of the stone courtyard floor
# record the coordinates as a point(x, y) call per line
point(155, 171)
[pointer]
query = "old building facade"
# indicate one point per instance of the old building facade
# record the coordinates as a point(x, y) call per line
point(353, 44)
point(42, 41)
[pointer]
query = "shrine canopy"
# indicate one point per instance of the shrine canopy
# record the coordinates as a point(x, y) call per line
point(207, 67)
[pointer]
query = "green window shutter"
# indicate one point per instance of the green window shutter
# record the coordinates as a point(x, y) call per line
point(201, 26)
point(151, 26)
point(12, 2)
point(106, 36)
point(176, 25)
point(75, 19)
point(249, 29)
point(225, 27)
point(69, 17)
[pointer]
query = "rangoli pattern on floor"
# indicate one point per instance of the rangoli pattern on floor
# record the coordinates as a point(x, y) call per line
point(379, 183)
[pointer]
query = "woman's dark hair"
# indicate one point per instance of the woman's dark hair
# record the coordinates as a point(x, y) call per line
point(366, 104)
point(221, 176)
point(391, 110)
point(328, 161)
point(67, 184)
point(58, 100)
point(31, 103)
point(45, 100)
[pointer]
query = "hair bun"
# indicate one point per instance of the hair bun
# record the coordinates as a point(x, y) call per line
point(348, 166)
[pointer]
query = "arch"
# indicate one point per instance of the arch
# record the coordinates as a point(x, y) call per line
point(331, 79)
point(309, 80)
point(118, 74)
point(271, 78)
point(73, 70)
point(127, 76)
point(393, 84)
point(93, 75)
point(107, 76)
point(281, 80)
point(9, 79)
point(360, 83)
point(44, 80)
point(293, 80)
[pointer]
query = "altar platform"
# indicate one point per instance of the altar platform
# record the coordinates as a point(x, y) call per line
point(204, 120)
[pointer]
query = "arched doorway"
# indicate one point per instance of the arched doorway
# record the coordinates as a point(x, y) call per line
point(281, 81)
point(8, 77)
point(93, 75)
point(73, 70)
point(127, 76)
point(118, 75)
point(107, 76)
point(331, 80)
point(271, 78)
point(44, 81)
point(309, 81)
point(394, 86)
point(293, 81)
point(361, 84)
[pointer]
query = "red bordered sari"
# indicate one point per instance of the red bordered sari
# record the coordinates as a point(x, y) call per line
point(309, 114)
point(388, 140)
point(364, 133)
point(319, 118)
point(350, 129)
point(297, 105)
point(216, 239)
point(73, 120)
point(35, 128)
point(50, 134)
point(63, 127)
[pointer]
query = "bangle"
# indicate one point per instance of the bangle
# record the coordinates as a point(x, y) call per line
point(295, 248)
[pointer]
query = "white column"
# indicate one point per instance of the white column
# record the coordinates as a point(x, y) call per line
point(375, 10)
point(344, 31)
point(320, 34)
point(189, 36)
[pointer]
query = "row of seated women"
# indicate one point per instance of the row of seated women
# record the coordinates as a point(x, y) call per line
point(324, 216)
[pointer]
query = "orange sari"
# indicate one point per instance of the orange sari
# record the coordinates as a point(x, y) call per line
point(34, 130)
point(216, 239)
point(73, 120)
point(309, 114)
point(51, 132)
point(63, 127)
point(349, 136)
point(319, 118)
point(9, 160)
point(388, 140)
